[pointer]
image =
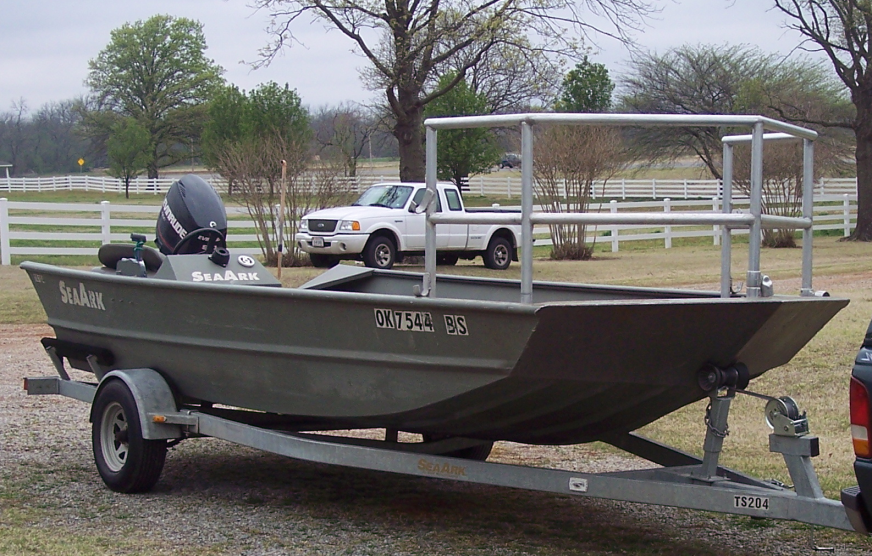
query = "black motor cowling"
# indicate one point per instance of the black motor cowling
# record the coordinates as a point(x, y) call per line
point(191, 207)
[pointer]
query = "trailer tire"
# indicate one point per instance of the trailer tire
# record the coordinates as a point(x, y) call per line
point(473, 453)
point(126, 461)
point(498, 254)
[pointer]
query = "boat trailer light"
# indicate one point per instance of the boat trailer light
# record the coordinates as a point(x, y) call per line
point(158, 419)
point(711, 377)
point(860, 419)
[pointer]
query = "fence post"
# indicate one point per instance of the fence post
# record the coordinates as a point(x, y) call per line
point(481, 186)
point(823, 187)
point(846, 212)
point(716, 207)
point(623, 189)
point(685, 189)
point(5, 259)
point(105, 231)
point(653, 188)
point(613, 208)
point(667, 207)
point(508, 187)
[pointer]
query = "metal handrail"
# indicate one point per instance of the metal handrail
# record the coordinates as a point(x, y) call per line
point(755, 220)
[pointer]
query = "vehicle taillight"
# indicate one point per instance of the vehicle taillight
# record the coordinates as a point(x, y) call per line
point(860, 419)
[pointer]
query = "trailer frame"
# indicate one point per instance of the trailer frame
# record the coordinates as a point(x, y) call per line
point(683, 481)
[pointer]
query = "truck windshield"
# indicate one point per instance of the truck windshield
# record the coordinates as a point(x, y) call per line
point(390, 196)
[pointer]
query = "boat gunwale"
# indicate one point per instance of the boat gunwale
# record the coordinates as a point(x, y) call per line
point(513, 307)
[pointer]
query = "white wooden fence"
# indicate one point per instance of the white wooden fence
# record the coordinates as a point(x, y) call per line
point(499, 184)
point(24, 223)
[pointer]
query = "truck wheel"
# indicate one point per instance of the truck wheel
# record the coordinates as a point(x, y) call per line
point(125, 460)
point(498, 255)
point(323, 261)
point(447, 259)
point(380, 252)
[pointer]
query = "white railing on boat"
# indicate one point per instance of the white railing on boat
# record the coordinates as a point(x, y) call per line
point(755, 223)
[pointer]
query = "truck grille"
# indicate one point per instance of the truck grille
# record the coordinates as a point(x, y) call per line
point(322, 225)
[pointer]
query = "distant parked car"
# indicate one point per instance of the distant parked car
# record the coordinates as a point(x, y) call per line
point(510, 160)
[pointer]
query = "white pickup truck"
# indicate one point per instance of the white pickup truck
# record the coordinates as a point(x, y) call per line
point(382, 227)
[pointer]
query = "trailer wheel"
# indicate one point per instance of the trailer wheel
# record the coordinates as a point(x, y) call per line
point(498, 254)
point(474, 453)
point(125, 460)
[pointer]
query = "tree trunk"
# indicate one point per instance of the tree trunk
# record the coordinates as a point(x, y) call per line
point(409, 133)
point(863, 230)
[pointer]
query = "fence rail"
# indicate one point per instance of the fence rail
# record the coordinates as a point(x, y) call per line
point(500, 184)
point(23, 224)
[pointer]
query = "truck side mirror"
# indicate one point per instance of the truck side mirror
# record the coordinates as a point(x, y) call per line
point(412, 206)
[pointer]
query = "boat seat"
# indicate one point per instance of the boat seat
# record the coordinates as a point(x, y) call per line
point(110, 253)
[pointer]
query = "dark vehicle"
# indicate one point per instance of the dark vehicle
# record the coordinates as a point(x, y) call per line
point(859, 498)
point(510, 160)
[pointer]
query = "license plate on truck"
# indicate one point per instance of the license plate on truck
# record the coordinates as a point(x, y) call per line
point(317, 242)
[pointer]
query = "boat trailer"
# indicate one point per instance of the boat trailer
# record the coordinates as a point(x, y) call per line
point(682, 480)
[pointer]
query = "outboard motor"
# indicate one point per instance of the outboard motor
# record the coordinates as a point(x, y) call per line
point(192, 218)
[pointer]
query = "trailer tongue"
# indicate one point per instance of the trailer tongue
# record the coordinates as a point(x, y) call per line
point(183, 346)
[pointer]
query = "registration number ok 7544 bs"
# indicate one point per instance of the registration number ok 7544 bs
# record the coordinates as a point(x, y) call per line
point(415, 321)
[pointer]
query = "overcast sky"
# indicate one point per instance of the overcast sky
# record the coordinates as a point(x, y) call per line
point(45, 45)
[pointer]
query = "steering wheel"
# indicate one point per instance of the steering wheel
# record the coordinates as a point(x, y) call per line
point(216, 239)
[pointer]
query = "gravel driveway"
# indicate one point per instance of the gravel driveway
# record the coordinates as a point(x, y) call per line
point(217, 498)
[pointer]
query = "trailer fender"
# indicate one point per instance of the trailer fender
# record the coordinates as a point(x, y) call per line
point(152, 395)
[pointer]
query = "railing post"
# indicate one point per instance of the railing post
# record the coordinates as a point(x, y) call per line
point(5, 259)
point(667, 207)
point(623, 189)
point(613, 208)
point(508, 187)
point(846, 214)
point(653, 188)
point(105, 230)
point(685, 189)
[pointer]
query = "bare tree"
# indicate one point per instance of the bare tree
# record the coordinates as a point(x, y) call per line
point(840, 28)
point(254, 165)
point(16, 123)
point(568, 162)
point(344, 133)
point(711, 79)
point(407, 43)
point(255, 168)
point(782, 186)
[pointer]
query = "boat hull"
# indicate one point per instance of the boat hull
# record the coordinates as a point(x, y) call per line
point(362, 351)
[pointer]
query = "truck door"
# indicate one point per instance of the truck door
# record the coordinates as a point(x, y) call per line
point(457, 233)
point(416, 225)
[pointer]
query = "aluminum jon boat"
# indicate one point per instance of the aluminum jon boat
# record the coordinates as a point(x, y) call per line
point(486, 359)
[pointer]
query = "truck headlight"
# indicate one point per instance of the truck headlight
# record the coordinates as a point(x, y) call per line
point(349, 226)
point(304, 225)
